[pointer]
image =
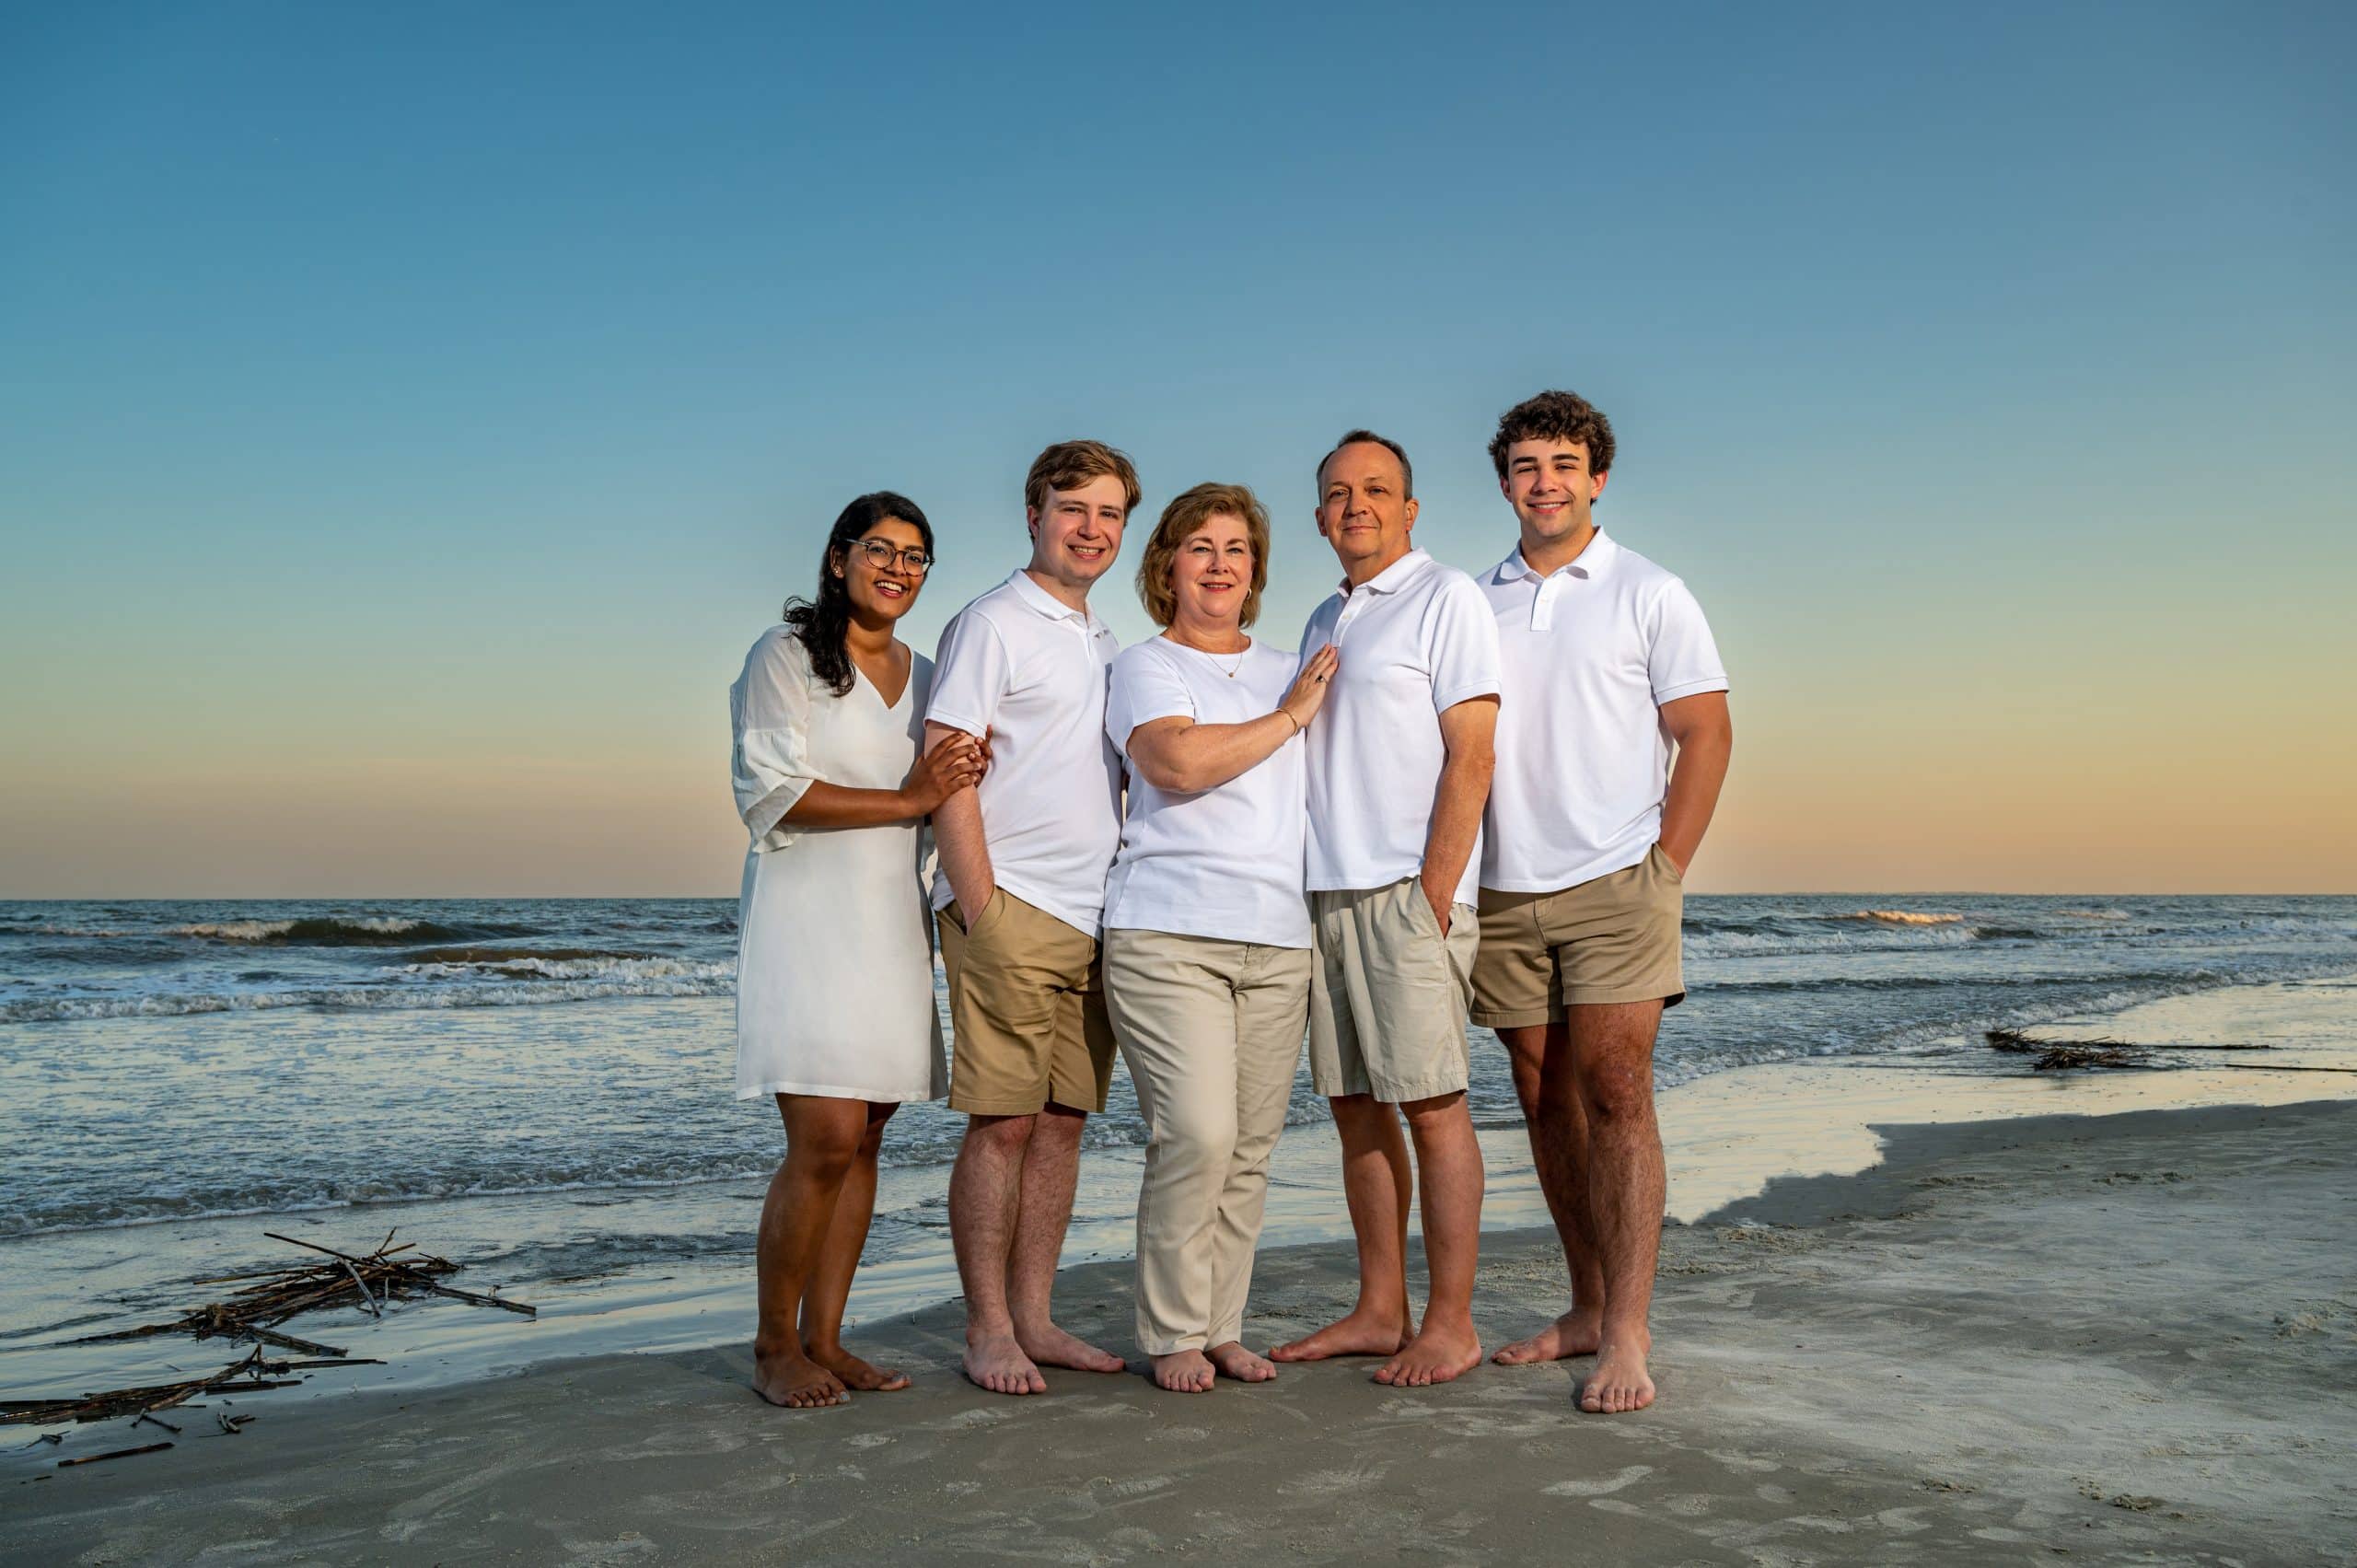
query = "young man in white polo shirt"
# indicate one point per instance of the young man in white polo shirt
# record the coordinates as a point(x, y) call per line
point(1609, 664)
point(1017, 901)
point(1399, 767)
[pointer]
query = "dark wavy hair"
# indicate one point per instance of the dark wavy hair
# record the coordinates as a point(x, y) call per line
point(821, 622)
point(1555, 416)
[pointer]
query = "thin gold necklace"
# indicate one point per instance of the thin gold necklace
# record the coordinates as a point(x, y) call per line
point(1242, 654)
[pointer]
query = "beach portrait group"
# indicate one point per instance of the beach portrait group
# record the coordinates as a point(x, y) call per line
point(1504, 783)
point(1454, 800)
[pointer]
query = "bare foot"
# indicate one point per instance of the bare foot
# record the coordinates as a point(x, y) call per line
point(1234, 1361)
point(1620, 1382)
point(1577, 1332)
point(996, 1363)
point(790, 1378)
point(1050, 1346)
point(1361, 1333)
point(1183, 1372)
point(1440, 1353)
point(857, 1373)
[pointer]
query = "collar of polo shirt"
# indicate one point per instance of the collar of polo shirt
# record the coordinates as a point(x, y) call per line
point(1591, 563)
point(1392, 577)
point(1041, 602)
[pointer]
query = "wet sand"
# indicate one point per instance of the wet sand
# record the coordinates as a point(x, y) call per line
point(2121, 1338)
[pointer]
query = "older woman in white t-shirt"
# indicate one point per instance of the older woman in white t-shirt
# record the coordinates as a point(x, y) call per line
point(1206, 946)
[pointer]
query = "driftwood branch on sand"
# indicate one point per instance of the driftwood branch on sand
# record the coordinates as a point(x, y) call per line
point(370, 1282)
point(2064, 1055)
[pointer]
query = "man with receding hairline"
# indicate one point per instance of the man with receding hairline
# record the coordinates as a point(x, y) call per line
point(1400, 765)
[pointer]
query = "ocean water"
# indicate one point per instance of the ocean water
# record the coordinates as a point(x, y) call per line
point(164, 1062)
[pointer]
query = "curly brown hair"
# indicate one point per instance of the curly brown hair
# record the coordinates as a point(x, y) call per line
point(1555, 416)
point(1179, 520)
point(1068, 465)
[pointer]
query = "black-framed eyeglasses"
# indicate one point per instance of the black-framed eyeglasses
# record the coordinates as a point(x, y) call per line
point(881, 553)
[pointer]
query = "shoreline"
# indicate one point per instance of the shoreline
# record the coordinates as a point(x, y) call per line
point(1728, 1134)
point(2005, 1338)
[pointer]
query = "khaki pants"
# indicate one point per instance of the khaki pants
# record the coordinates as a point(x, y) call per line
point(1212, 1031)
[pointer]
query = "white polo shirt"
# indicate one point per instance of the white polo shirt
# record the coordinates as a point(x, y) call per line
point(1020, 663)
point(1224, 862)
point(1415, 641)
point(1592, 652)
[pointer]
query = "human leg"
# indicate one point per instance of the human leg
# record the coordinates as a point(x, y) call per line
point(1171, 1009)
point(1628, 1188)
point(1050, 1175)
point(828, 1290)
point(822, 1140)
point(985, 1197)
point(1269, 1010)
point(1449, 1165)
point(1548, 1087)
point(1376, 1185)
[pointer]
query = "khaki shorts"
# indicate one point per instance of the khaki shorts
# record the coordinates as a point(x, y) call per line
point(1614, 938)
point(1387, 994)
point(1026, 1008)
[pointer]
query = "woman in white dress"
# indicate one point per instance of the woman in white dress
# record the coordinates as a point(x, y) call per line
point(834, 957)
point(1207, 954)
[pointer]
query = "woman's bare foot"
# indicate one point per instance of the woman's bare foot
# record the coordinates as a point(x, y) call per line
point(1361, 1333)
point(1232, 1360)
point(1183, 1372)
point(857, 1373)
point(1620, 1382)
point(790, 1378)
point(1577, 1332)
point(1050, 1346)
point(1441, 1352)
point(996, 1363)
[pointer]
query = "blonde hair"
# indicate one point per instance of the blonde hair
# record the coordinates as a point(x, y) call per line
point(1179, 522)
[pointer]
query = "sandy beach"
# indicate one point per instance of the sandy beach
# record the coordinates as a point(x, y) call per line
point(2121, 1338)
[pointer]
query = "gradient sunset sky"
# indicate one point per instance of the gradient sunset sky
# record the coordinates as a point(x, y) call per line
point(409, 415)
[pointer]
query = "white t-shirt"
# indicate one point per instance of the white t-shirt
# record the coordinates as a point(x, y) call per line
point(1023, 665)
point(1415, 641)
point(1226, 861)
point(1592, 652)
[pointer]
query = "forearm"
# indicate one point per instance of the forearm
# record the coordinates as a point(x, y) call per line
point(835, 805)
point(957, 836)
point(1457, 820)
point(1197, 757)
point(1693, 794)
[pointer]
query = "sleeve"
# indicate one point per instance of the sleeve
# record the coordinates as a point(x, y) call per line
point(1143, 688)
point(972, 674)
point(1464, 645)
point(1682, 659)
point(770, 709)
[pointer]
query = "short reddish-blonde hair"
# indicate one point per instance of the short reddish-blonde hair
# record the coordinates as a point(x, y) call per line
point(1179, 522)
point(1068, 465)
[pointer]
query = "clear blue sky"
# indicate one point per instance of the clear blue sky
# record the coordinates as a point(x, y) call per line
point(408, 414)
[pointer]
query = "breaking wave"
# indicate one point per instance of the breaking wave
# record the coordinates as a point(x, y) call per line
point(1902, 917)
point(325, 931)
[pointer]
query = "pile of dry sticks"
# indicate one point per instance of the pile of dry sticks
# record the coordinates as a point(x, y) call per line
point(2066, 1055)
point(269, 1298)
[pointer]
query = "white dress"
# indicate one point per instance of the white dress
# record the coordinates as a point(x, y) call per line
point(834, 949)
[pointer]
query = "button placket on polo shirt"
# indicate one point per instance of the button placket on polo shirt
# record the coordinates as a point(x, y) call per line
point(1550, 588)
